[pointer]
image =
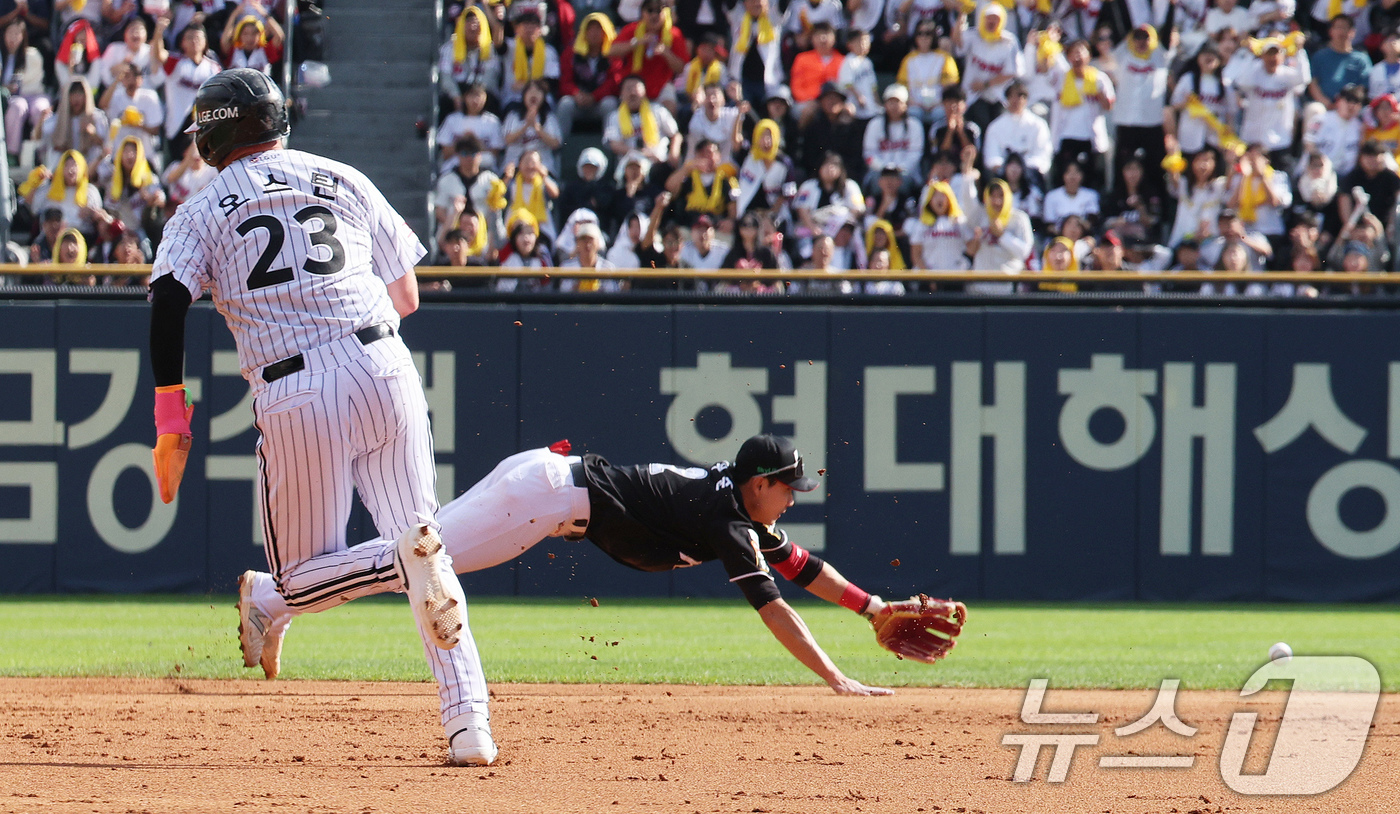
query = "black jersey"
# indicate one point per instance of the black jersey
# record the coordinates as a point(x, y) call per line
point(658, 517)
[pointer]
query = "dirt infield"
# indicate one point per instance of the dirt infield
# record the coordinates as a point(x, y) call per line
point(185, 746)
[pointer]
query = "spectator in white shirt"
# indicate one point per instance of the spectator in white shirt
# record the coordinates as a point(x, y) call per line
point(1142, 97)
point(1317, 185)
point(822, 259)
point(1200, 193)
point(715, 121)
point(246, 39)
point(473, 118)
point(135, 48)
point(879, 260)
point(468, 188)
point(1270, 17)
point(705, 69)
point(1077, 122)
point(641, 126)
point(1001, 238)
point(589, 240)
point(1204, 82)
point(1079, 17)
point(528, 57)
point(1260, 194)
point(1230, 229)
point(23, 68)
point(880, 237)
point(824, 202)
point(865, 17)
point(702, 251)
point(1018, 131)
point(78, 124)
point(533, 126)
point(938, 235)
point(1270, 92)
point(857, 75)
point(1385, 76)
point(926, 72)
point(1190, 18)
point(1043, 56)
point(1228, 14)
point(993, 60)
point(526, 251)
point(894, 138)
point(803, 14)
point(189, 175)
point(1338, 134)
point(1073, 198)
point(137, 110)
point(1026, 192)
point(184, 73)
point(1238, 59)
point(756, 50)
point(469, 55)
point(765, 170)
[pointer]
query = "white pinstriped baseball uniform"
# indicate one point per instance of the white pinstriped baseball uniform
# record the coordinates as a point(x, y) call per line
point(297, 251)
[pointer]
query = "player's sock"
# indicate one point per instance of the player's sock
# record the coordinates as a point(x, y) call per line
point(267, 599)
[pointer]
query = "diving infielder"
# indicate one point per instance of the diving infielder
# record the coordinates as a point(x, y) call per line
point(312, 269)
point(658, 517)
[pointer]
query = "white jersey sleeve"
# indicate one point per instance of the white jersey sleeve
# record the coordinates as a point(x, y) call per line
point(182, 253)
point(394, 247)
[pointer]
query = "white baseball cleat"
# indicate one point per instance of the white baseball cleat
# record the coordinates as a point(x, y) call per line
point(253, 624)
point(470, 743)
point(432, 586)
point(271, 659)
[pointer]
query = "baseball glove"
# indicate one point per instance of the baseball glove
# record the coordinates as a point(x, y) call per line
point(919, 628)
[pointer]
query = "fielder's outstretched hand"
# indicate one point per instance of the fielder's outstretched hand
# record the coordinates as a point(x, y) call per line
point(849, 686)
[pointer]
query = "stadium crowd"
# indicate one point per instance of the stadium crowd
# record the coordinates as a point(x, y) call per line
point(947, 135)
point(96, 97)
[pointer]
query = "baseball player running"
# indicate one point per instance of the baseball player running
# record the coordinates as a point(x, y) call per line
point(312, 269)
point(659, 517)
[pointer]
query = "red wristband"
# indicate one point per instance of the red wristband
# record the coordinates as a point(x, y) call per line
point(854, 598)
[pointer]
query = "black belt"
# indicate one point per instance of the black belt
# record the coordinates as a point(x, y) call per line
point(292, 364)
point(578, 529)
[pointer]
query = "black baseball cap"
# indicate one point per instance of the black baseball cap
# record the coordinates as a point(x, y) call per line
point(771, 456)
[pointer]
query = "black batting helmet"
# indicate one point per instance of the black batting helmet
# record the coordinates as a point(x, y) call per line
point(236, 108)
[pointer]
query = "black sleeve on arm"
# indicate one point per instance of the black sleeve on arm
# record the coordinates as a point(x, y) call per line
point(801, 567)
point(170, 302)
point(809, 572)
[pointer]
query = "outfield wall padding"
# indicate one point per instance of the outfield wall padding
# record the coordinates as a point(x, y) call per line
point(984, 452)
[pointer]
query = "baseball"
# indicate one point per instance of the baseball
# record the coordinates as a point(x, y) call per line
point(1280, 652)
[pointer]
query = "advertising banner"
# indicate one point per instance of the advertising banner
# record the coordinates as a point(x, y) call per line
point(984, 452)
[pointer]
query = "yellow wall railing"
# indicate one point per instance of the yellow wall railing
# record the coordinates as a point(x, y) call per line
point(1088, 278)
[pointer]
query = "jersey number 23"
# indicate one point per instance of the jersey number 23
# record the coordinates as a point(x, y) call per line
point(263, 275)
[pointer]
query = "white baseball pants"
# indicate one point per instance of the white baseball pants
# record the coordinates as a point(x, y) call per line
point(354, 417)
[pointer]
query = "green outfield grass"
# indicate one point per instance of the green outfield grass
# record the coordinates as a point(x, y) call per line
point(693, 642)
